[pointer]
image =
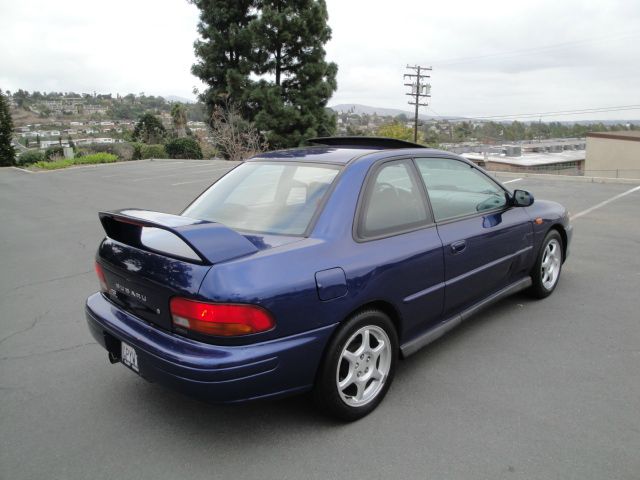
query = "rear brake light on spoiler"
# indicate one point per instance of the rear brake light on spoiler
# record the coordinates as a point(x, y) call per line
point(176, 236)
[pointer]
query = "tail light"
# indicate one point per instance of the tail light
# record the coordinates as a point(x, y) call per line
point(219, 318)
point(101, 278)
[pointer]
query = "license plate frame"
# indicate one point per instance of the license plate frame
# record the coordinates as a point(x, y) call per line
point(129, 357)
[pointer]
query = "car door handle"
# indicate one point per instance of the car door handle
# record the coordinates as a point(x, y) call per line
point(458, 247)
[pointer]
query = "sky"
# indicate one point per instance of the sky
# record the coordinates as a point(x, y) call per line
point(490, 58)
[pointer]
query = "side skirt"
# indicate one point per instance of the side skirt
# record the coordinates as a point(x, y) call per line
point(439, 330)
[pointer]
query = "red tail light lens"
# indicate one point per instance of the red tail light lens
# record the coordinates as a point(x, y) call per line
point(220, 319)
point(101, 278)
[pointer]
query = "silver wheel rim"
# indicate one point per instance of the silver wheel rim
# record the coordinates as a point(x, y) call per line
point(364, 366)
point(551, 263)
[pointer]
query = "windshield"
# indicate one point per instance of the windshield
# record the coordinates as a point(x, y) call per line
point(266, 197)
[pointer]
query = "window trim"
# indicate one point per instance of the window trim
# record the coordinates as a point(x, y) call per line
point(473, 166)
point(363, 201)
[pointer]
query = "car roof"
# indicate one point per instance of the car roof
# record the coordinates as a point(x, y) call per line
point(319, 154)
point(344, 155)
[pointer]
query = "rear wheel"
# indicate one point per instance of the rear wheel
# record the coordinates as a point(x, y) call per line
point(358, 367)
point(546, 271)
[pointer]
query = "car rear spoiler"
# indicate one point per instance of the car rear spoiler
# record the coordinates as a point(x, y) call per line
point(211, 242)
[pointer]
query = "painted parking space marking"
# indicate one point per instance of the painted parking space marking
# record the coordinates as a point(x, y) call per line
point(605, 202)
point(511, 181)
point(162, 167)
point(177, 174)
point(200, 180)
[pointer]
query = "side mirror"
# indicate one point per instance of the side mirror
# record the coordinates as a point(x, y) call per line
point(521, 198)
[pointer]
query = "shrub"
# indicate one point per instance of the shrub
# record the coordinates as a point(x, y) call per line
point(96, 158)
point(86, 160)
point(142, 151)
point(52, 152)
point(208, 150)
point(183, 148)
point(30, 156)
point(124, 151)
point(55, 164)
point(149, 129)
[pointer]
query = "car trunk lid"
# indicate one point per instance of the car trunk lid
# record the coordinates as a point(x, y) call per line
point(149, 257)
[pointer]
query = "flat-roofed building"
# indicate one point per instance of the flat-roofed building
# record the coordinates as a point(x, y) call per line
point(613, 154)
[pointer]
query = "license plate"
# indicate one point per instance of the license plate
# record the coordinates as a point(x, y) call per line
point(129, 357)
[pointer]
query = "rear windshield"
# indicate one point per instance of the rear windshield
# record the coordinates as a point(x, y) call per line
point(266, 197)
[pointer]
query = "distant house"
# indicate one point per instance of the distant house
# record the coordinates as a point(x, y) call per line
point(49, 133)
point(52, 143)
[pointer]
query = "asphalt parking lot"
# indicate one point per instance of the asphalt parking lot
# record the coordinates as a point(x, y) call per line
point(526, 390)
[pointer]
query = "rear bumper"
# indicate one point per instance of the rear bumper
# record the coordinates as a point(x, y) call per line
point(211, 373)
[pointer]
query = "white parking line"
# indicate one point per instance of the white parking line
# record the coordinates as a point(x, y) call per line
point(164, 166)
point(201, 180)
point(606, 202)
point(514, 180)
point(177, 174)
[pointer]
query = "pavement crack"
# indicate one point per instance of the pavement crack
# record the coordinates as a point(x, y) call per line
point(40, 282)
point(48, 352)
point(34, 322)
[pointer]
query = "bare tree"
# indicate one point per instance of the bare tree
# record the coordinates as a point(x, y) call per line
point(235, 138)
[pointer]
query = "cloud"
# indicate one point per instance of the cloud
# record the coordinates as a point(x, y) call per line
point(490, 58)
point(118, 46)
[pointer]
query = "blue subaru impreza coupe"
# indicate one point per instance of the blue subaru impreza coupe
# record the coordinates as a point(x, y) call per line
point(316, 269)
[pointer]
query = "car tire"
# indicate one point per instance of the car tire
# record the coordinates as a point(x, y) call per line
point(358, 366)
point(546, 271)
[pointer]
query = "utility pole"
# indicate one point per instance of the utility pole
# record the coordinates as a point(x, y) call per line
point(419, 90)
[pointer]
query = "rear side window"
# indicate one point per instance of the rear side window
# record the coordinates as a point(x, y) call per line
point(456, 189)
point(393, 202)
point(265, 197)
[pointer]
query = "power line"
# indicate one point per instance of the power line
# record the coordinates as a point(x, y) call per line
point(419, 90)
point(619, 108)
point(532, 50)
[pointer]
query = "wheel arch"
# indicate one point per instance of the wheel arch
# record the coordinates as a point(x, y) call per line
point(383, 306)
point(563, 235)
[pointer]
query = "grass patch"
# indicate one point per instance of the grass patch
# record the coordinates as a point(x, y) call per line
point(86, 160)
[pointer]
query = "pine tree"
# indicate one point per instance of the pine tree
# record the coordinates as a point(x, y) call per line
point(290, 37)
point(282, 43)
point(7, 152)
point(224, 51)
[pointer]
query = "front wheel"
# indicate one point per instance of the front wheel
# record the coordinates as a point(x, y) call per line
point(546, 271)
point(358, 367)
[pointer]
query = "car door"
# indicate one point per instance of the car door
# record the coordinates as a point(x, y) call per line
point(486, 243)
point(399, 241)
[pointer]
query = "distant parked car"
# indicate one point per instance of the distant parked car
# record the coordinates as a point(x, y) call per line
point(316, 269)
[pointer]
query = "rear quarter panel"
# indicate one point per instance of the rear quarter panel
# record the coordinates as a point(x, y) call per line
point(282, 279)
